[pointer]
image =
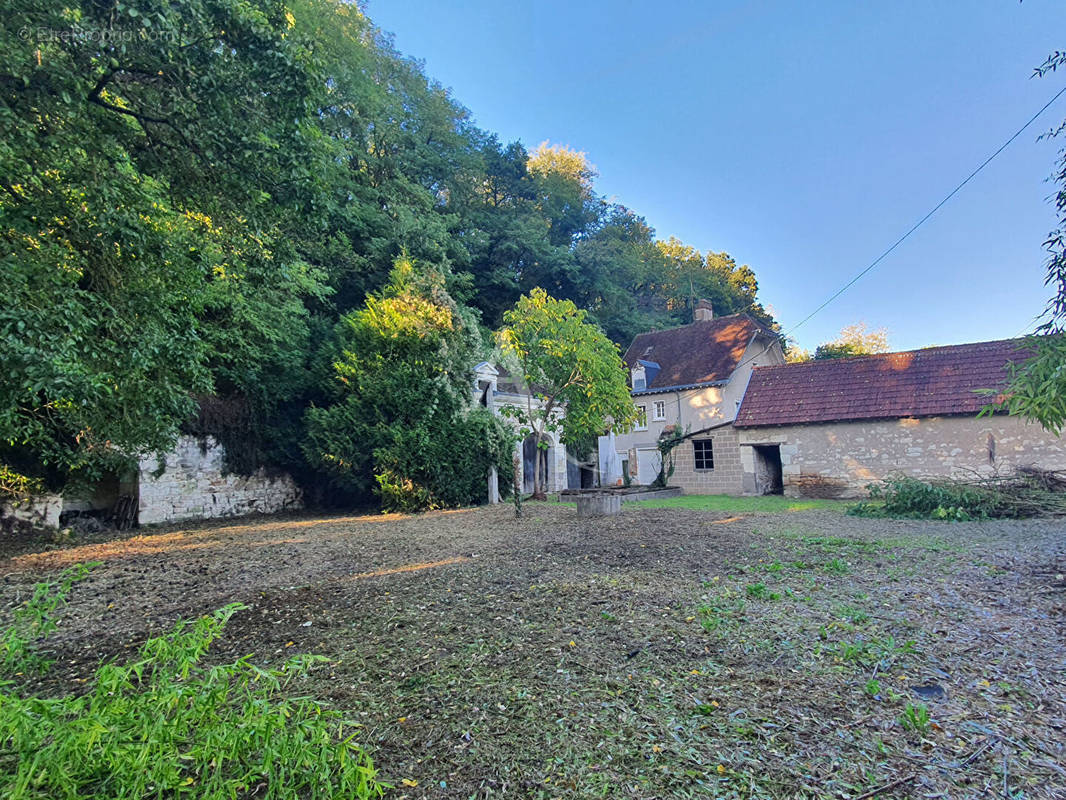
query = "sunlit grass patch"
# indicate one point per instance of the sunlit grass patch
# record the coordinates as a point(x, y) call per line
point(722, 502)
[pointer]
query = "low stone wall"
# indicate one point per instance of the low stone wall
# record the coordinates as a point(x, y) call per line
point(842, 458)
point(35, 512)
point(193, 486)
point(727, 476)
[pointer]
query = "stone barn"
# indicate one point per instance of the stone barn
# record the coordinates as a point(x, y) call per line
point(830, 428)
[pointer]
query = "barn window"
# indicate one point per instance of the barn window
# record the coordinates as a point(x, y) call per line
point(704, 453)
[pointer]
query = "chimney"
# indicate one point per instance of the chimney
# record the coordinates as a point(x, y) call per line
point(703, 311)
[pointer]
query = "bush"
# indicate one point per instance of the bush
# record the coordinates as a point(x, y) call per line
point(404, 424)
point(1025, 494)
point(166, 726)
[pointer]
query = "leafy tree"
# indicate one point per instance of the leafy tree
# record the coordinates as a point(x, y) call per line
point(689, 275)
point(1037, 388)
point(194, 195)
point(569, 367)
point(853, 340)
point(403, 424)
point(147, 180)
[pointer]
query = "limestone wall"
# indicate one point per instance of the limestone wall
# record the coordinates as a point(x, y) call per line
point(41, 511)
point(193, 486)
point(727, 475)
point(842, 458)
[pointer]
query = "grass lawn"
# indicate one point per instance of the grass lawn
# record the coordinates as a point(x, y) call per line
point(724, 502)
point(664, 653)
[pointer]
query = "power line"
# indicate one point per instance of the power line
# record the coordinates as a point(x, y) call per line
point(922, 221)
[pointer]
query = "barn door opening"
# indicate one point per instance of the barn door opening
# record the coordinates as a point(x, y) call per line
point(768, 477)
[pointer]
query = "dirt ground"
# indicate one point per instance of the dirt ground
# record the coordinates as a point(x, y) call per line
point(659, 654)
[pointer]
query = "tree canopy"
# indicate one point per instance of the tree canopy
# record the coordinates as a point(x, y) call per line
point(853, 340)
point(1038, 385)
point(567, 363)
point(195, 197)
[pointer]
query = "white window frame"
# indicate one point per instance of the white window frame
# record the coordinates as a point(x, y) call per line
point(658, 410)
point(642, 417)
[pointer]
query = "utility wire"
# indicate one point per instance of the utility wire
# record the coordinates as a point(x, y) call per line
point(922, 221)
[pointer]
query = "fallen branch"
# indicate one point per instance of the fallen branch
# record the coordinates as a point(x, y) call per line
point(886, 787)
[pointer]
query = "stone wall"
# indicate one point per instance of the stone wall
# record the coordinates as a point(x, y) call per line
point(193, 486)
point(41, 511)
point(727, 475)
point(842, 458)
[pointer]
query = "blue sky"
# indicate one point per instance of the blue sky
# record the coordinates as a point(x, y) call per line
point(801, 138)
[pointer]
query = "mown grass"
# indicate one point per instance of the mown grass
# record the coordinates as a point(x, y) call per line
point(723, 502)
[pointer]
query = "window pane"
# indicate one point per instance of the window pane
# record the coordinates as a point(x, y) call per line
point(703, 452)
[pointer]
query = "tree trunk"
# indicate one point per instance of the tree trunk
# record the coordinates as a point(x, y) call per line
point(538, 487)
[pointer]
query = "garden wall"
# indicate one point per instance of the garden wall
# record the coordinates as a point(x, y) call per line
point(193, 486)
point(36, 512)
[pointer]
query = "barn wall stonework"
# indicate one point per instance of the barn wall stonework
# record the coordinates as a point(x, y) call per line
point(193, 486)
point(726, 477)
point(840, 459)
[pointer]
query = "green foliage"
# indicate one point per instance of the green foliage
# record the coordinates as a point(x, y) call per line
point(403, 423)
point(944, 500)
point(166, 725)
point(915, 717)
point(853, 340)
point(669, 440)
point(1037, 388)
point(34, 620)
point(566, 363)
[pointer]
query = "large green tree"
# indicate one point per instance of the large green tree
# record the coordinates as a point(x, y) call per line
point(403, 422)
point(147, 175)
point(573, 376)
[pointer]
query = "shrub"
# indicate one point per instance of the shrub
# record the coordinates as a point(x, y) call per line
point(166, 726)
point(404, 424)
point(948, 500)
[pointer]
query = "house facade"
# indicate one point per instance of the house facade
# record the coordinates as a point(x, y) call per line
point(691, 378)
point(497, 389)
point(830, 428)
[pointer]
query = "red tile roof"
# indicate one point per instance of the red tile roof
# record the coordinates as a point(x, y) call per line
point(937, 381)
point(702, 352)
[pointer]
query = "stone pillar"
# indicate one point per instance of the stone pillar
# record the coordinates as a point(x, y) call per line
point(494, 486)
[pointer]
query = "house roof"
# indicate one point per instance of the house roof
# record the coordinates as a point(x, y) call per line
point(700, 353)
point(937, 381)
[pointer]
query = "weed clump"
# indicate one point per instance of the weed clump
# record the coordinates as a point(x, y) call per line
point(166, 725)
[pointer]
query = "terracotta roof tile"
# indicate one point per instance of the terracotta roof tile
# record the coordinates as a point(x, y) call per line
point(936, 381)
point(702, 352)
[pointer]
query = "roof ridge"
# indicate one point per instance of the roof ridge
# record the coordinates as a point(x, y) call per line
point(875, 356)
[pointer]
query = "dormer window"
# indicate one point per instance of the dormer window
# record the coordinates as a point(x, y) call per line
point(639, 378)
